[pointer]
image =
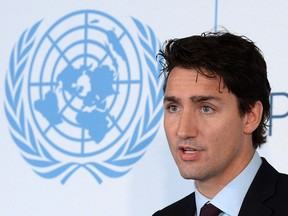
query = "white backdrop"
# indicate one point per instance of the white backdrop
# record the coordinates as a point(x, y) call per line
point(154, 181)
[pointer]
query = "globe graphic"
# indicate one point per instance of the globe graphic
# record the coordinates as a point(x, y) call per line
point(84, 84)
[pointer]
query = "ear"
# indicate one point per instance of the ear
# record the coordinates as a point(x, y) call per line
point(253, 118)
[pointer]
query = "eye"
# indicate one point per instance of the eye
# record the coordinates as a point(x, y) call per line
point(207, 109)
point(172, 108)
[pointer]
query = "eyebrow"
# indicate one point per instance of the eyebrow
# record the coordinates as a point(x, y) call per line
point(200, 98)
point(170, 99)
point(194, 99)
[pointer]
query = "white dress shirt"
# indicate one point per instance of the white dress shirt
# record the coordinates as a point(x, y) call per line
point(230, 198)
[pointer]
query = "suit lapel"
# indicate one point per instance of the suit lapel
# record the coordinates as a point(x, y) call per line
point(262, 188)
point(183, 207)
point(186, 207)
point(191, 206)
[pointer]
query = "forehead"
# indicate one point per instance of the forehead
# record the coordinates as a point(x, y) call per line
point(189, 85)
point(188, 79)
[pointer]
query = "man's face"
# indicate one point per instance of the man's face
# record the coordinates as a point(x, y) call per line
point(204, 129)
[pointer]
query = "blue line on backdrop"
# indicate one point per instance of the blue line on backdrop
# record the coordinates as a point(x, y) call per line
point(216, 16)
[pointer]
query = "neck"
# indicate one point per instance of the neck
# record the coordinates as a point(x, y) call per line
point(212, 186)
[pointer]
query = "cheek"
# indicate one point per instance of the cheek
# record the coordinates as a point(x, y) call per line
point(169, 127)
point(224, 134)
point(169, 134)
point(167, 131)
point(228, 137)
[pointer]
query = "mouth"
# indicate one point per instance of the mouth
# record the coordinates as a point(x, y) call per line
point(189, 150)
point(189, 153)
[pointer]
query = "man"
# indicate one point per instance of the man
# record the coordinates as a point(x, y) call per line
point(216, 111)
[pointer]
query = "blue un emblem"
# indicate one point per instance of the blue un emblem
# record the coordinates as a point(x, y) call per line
point(86, 95)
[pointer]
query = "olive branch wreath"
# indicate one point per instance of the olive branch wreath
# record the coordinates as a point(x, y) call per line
point(34, 152)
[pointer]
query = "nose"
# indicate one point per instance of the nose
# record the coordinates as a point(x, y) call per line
point(187, 126)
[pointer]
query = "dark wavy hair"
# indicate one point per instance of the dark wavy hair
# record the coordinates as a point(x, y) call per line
point(235, 59)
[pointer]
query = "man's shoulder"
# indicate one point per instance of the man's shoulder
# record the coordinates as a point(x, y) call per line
point(270, 175)
point(181, 207)
point(268, 184)
point(267, 169)
point(283, 183)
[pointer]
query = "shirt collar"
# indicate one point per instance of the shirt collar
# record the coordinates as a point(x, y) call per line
point(230, 198)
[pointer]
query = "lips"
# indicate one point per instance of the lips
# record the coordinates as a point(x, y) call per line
point(189, 153)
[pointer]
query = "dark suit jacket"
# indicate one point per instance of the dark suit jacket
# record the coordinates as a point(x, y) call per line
point(267, 196)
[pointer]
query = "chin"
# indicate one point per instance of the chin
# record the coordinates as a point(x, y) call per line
point(187, 176)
